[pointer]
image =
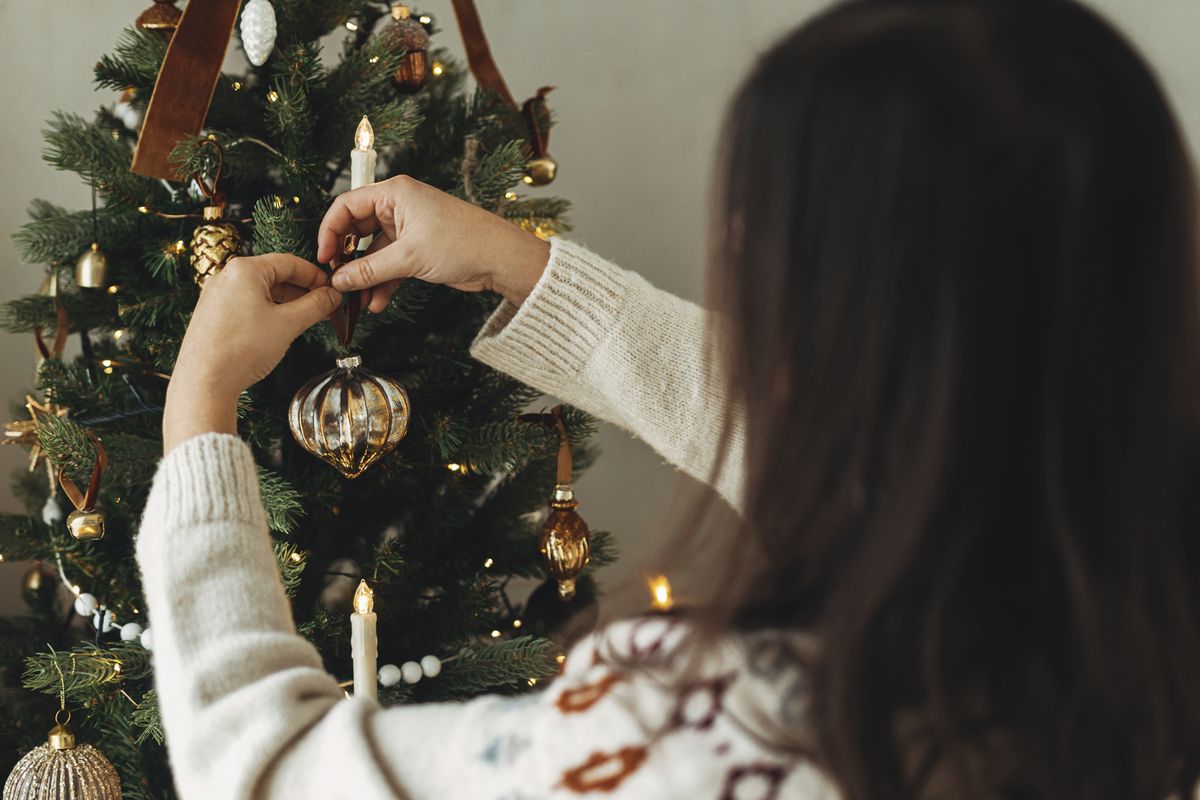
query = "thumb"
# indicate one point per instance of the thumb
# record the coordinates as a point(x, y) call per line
point(312, 307)
point(371, 269)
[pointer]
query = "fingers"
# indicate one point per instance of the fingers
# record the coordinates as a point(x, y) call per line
point(284, 268)
point(364, 210)
point(372, 269)
point(311, 308)
point(380, 296)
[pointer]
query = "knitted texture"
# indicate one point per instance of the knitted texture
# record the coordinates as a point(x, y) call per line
point(249, 712)
point(605, 340)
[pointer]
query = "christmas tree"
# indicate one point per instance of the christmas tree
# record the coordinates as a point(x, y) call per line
point(438, 527)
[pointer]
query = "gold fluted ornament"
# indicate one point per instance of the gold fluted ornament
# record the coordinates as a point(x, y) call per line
point(540, 171)
point(213, 244)
point(60, 769)
point(349, 417)
point(565, 543)
point(91, 270)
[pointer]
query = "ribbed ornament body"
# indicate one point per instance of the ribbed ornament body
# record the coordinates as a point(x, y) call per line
point(80, 772)
point(349, 417)
point(258, 31)
point(566, 541)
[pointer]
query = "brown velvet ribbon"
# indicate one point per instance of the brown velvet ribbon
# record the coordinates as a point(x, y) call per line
point(61, 331)
point(345, 316)
point(565, 469)
point(86, 501)
point(185, 85)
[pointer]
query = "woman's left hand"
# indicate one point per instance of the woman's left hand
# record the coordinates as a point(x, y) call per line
point(247, 316)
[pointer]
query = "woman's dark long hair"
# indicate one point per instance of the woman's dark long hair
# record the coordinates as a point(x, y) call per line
point(956, 252)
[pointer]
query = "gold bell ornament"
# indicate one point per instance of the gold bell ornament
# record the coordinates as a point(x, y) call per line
point(541, 168)
point(565, 541)
point(407, 34)
point(86, 522)
point(61, 769)
point(349, 417)
point(214, 242)
point(91, 270)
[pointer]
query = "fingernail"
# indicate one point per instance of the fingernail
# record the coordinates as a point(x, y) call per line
point(341, 280)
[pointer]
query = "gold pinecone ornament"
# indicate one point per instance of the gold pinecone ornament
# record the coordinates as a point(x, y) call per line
point(407, 34)
point(213, 244)
point(60, 769)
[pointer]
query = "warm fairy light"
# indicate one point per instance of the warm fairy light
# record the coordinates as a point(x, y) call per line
point(75, 589)
point(351, 25)
point(143, 209)
point(296, 199)
point(424, 19)
point(364, 135)
point(660, 593)
point(532, 681)
point(454, 467)
point(237, 86)
point(438, 68)
point(364, 598)
point(272, 96)
point(374, 59)
point(1, 558)
point(115, 134)
point(510, 195)
point(117, 334)
point(295, 558)
point(117, 668)
point(108, 370)
point(180, 245)
point(495, 634)
point(106, 363)
point(560, 658)
point(528, 179)
point(487, 563)
point(517, 623)
point(113, 289)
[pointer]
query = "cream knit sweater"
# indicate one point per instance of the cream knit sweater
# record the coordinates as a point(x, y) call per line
point(249, 712)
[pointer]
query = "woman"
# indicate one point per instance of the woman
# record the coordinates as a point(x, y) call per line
point(955, 398)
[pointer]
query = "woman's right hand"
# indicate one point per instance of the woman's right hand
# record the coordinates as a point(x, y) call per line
point(421, 232)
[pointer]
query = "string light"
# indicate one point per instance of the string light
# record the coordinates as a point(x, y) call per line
point(296, 199)
point(106, 363)
point(374, 59)
point(560, 658)
point(517, 623)
point(487, 563)
point(108, 370)
point(528, 179)
point(454, 467)
point(495, 634)
point(295, 558)
point(424, 19)
point(143, 209)
point(532, 681)
point(180, 246)
point(237, 86)
point(117, 334)
point(438, 68)
point(272, 96)
point(117, 668)
point(113, 289)
point(510, 195)
point(660, 593)
point(351, 25)
point(1, 558)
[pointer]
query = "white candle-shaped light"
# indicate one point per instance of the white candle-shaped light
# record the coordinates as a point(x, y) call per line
point(362, 163)
point(363, 642)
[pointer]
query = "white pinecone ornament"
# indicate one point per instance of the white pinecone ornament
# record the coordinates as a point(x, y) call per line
point(258, 31)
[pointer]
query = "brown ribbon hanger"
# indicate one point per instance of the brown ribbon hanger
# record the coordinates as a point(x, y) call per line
point(539, 140)
point(61, 331)
point(345, 316)
point(565, 467)
point(85, 501)
point(185, 85)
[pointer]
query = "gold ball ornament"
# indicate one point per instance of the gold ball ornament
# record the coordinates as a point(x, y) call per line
point(86, 526)
point(60, 769)
point(91, 270)
point(407, 34)
point(39, 581)
point(565, 543)
point(162, 16)
point(349, 417)
point(213, 244)
point(540, 171)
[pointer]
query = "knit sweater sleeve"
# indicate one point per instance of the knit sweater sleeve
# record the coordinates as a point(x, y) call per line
point(246, 704)
point(605, 340)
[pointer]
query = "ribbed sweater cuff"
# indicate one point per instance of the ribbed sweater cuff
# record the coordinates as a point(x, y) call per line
point(208, 478)
point(551, 336)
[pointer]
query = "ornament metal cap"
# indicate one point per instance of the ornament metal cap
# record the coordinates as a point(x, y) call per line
point(349, 362)
point(401, 11)
point(214, 212)
point(563, 493)
point(59, 737)
point(566, 588)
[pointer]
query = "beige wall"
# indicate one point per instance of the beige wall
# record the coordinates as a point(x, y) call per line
point(641, 89)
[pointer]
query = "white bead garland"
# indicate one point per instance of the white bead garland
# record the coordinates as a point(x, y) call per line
point(411, 671)
point(103, 620)
point(85, 604)
point(131, 632)
point(258, 31)
point(431, 666)
point(389, 675)
point(52, 513)
point(147, 639)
